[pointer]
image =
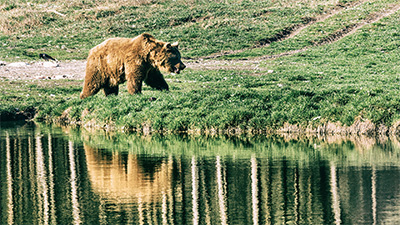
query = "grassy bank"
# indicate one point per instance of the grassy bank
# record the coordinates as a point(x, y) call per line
point(343, 80)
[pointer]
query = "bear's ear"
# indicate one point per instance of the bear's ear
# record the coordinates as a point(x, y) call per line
point(167, 45)
point(175, 44)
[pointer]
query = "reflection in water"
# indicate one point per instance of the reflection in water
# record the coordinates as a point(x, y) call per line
point(41, 176)
point(74, 186)
point(121, 178)
point(373, 195)
point(254, 189)
point(47, 177)
point(335, 194)
point(51, 182)
point(10, 204)
point(221, 191)
point(195, 191)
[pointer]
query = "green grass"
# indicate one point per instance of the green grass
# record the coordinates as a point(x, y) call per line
point(322, 31)
point(203, 27)
point(354, 78)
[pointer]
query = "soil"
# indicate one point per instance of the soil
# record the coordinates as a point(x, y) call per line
point(74, 70)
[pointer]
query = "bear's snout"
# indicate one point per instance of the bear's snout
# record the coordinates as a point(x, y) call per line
point(179, 67)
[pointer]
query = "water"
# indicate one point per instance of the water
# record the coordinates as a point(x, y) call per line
point(67, 176)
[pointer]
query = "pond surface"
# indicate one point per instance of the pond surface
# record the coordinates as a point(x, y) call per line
point(50, 175)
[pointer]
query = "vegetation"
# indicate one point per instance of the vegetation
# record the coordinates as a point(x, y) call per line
point(317, 76)
point(68, 29)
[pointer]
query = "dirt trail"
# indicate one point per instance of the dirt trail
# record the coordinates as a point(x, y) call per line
point(76, 69)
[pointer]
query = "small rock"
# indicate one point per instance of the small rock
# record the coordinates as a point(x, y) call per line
point(2, 63)
point(58, 77)
point(50, 64)
point(152, 99)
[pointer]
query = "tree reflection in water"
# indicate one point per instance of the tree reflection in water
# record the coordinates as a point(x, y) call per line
point(52, 177)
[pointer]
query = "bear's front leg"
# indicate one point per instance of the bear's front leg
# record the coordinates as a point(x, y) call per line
point(156, 80)
point(134, 86)
point(134, 77)
point(108, 90)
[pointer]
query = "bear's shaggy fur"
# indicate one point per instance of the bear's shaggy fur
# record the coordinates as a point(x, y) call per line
point(134, 60)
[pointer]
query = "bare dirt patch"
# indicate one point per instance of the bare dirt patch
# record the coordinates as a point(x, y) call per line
point(74, 70)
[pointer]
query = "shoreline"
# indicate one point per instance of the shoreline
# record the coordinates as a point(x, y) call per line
point(315, 126)
point(359, 127)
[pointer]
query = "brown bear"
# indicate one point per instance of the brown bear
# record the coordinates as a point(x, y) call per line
point(134, 60)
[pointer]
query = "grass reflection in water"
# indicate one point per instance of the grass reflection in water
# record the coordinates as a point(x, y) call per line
point(49, 175)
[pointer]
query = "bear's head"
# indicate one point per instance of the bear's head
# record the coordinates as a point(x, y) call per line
point(168, 58)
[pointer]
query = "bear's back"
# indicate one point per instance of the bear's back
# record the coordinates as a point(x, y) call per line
point(113, 45)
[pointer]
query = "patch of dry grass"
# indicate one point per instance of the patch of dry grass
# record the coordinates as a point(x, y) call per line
point(21, 15)
point(309, 3)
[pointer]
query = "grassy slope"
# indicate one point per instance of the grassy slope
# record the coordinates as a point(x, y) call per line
point(353, 78)
point(203, 27)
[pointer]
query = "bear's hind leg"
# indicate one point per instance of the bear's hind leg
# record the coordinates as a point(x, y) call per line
point(111, 90)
